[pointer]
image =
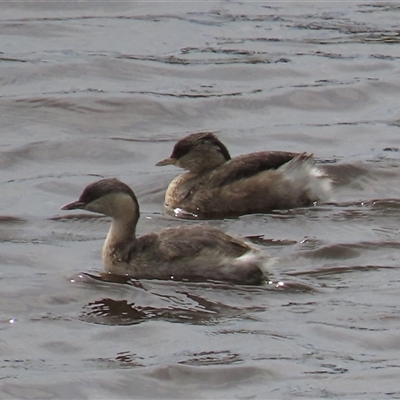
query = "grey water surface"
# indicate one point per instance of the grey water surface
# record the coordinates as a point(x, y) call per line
point(105, 89)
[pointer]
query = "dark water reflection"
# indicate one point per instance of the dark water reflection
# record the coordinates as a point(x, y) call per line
point(101, 90)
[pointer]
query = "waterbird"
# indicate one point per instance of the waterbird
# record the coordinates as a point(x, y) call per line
point(197, 252)
point(218, 186)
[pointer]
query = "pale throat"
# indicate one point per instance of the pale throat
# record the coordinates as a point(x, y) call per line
point(122, 231)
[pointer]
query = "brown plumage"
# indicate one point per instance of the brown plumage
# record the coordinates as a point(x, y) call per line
point(193, 252)
point(217, 186)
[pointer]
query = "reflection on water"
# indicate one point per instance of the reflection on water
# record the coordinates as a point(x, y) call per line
point(91, 91)
point(113, 312)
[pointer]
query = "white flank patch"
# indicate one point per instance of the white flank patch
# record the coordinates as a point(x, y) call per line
point(305, 175)
point(262, 260)
point(251, 257)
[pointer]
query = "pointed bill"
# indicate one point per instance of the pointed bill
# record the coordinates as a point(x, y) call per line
point(167, 161)
point(73, 206)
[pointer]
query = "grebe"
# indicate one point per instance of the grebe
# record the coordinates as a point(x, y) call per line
point(217, 186)
point(193, 252)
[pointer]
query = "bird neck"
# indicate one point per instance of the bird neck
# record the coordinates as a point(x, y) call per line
point(122, 230)
point(120, 242)
point(121, 237)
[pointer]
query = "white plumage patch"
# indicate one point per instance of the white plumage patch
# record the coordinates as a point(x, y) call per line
point(305, 175)
point(258, 258)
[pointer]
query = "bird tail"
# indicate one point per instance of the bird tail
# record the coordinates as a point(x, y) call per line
point(304, 174)
point(256, 261)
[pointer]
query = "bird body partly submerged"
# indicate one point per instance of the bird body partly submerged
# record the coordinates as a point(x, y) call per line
point(193, 252)
point(217, 186)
